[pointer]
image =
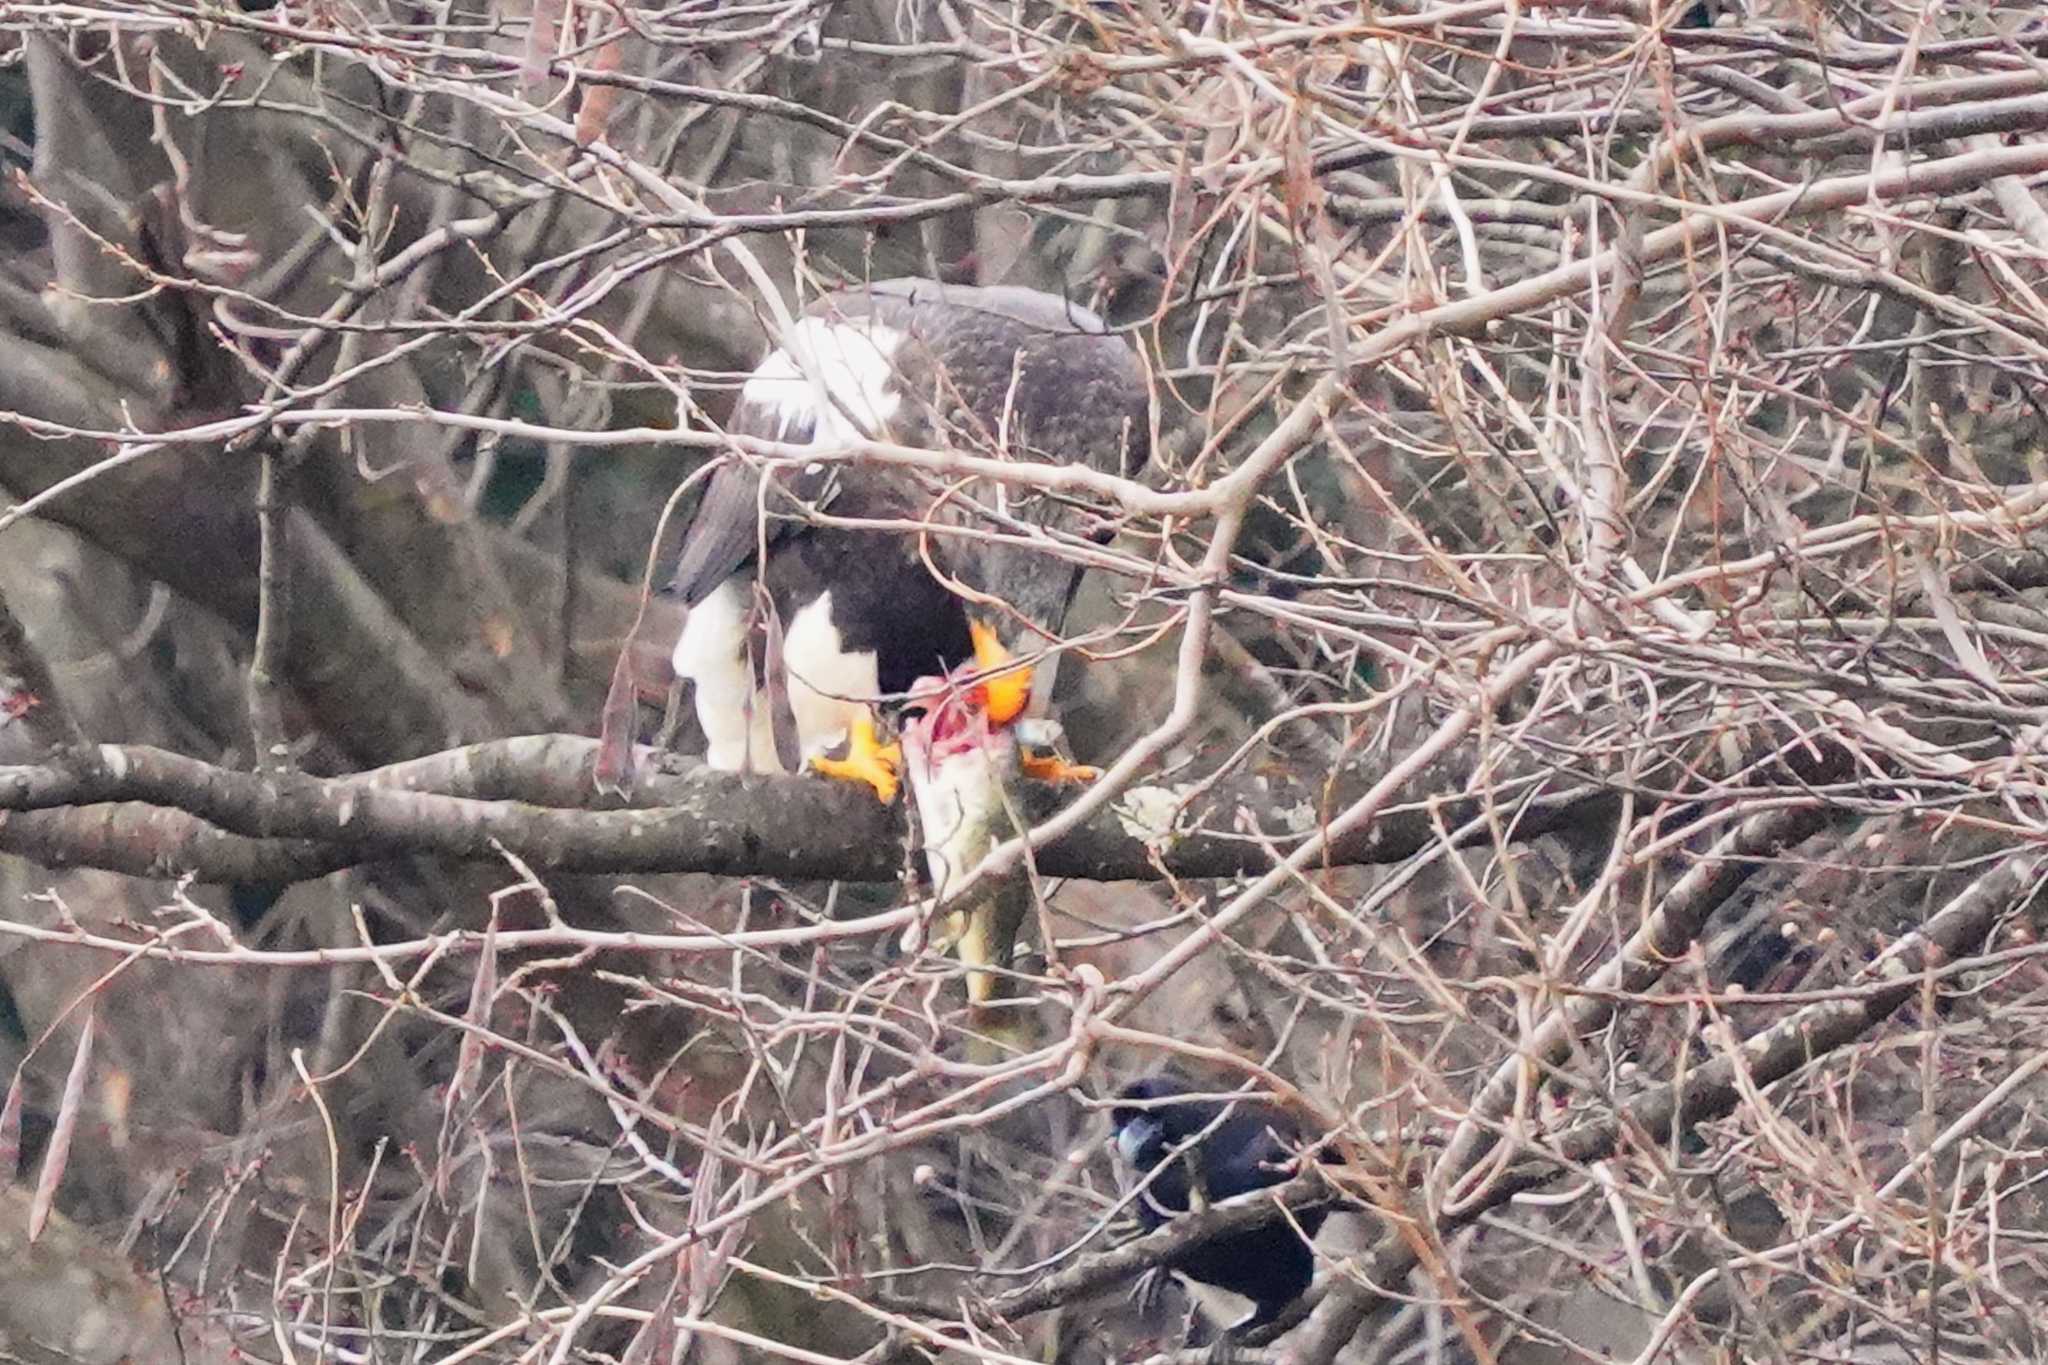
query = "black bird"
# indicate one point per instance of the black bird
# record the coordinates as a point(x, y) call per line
point(1222, 1147)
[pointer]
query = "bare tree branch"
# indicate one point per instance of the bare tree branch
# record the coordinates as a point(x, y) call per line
point(521, 797)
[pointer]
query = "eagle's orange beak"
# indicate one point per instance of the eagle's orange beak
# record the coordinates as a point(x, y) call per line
point(1004, 695)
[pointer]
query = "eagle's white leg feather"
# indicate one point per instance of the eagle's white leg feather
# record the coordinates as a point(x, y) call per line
point(712, 653)
point(829, 686)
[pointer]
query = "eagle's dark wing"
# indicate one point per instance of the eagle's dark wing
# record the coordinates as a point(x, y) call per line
point(978, 360)
point(722, 536)
point(1039, 311)
point(726, 531)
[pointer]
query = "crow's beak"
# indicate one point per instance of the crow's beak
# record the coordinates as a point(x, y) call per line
point(1136, 1137)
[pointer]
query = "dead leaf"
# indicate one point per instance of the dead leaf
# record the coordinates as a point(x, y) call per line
point(58, 1153)
point(614, 769)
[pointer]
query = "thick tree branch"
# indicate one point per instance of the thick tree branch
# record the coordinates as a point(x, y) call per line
point(148, 811)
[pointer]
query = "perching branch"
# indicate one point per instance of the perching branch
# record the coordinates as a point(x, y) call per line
point(151, 812)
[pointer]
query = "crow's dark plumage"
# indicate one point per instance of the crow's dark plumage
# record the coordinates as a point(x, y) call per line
point(1222, 1147)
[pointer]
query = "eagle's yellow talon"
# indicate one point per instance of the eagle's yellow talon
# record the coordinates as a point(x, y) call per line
point(867, 760)
point(1050, 767)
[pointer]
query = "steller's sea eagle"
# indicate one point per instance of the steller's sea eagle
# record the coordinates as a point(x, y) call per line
point(800, 621)
point(816, 593)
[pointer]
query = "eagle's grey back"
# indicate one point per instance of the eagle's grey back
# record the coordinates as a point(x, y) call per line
point(979, 362)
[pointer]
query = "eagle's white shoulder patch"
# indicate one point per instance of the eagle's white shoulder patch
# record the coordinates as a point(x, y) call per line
point(846, 364)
